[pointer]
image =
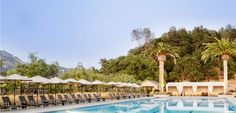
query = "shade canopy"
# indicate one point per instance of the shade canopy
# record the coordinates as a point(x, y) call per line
point(111, 83)
point(123, 84)
point(39, 79)
point(84, 82)
point(135, 85)
point(119, 83)
point(97, 82)
point(149, 83)
point(71, 80)
point(56, 80)
point(2, 78)
point(15, 77)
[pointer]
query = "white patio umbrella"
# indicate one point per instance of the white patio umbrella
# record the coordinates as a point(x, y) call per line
point(97, 82)
point(1, 80)
point(124, 84)
point(39, 80)
point(135, 85)
point(118, 83)
point(111, 83)
point(84, 82)
point(55, 81)
point(15, 77)
point(71, 81)
point(149, 84)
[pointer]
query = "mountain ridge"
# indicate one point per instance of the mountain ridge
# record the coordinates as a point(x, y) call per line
point(11, 61)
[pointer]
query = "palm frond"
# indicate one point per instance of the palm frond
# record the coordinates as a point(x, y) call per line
point(220, 47)
point(166, 49)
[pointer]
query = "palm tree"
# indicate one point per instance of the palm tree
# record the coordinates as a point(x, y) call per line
point(223, 48)
point(162, 51)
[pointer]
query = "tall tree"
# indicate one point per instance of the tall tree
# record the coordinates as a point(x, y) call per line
point(1, 64)
point(223, 48)
point(142, 35)
point(37, 66)
point(162, 51)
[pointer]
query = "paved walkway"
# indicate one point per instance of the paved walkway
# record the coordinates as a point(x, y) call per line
point(69, 106)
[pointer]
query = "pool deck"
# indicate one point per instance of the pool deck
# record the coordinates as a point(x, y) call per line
point(70, 106)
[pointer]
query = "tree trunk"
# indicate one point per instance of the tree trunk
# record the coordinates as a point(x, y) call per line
point(225, 59)
point(161, 59)
point(161, 76)
point(225, 76)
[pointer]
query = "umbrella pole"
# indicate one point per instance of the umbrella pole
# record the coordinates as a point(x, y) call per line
point(37, 94)
point(70, 89)
point(83, 89)
point(43, 88)
point(1, 88)
point(20, 89)
point(14, 94)
point(55, 92)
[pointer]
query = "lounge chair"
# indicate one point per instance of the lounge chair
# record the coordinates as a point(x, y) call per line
point(52, 100)
point(96, 98)
point(128, 95)
point(81, 98)
point(100, 96)
point(32, 101)
point(123, 95)
point(116, 96)
point(134, 95)
point(60, 99)
point(138, 95)
point(23, 102)
point(7, 103)
point(74, 99)
point(67, 98)
point(111, 96)
point(87, 98)
point(44, 101)
point(204, 93)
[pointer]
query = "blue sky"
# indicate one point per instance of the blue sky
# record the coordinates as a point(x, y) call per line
point(73, 31)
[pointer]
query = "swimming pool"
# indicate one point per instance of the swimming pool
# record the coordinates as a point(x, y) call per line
point(168, 105)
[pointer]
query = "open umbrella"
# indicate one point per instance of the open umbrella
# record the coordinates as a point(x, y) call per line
point(1, 81)
point(149, 84)
point(135, 85)
point(2, 78)
point(112, 84)
point(97, 82)
point(39, 80)
point(56, 80)
point(71, 81)
point(15, 77)
point(84, 82)
point(124, 85)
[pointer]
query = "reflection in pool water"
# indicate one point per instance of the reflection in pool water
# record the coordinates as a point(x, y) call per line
point(181, 105)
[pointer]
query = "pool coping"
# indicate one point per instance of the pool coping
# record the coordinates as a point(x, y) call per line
point(71, 106)
point(83, 105)
point(232, 100)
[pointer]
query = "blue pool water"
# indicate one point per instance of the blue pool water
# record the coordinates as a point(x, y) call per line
point(171, 105)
